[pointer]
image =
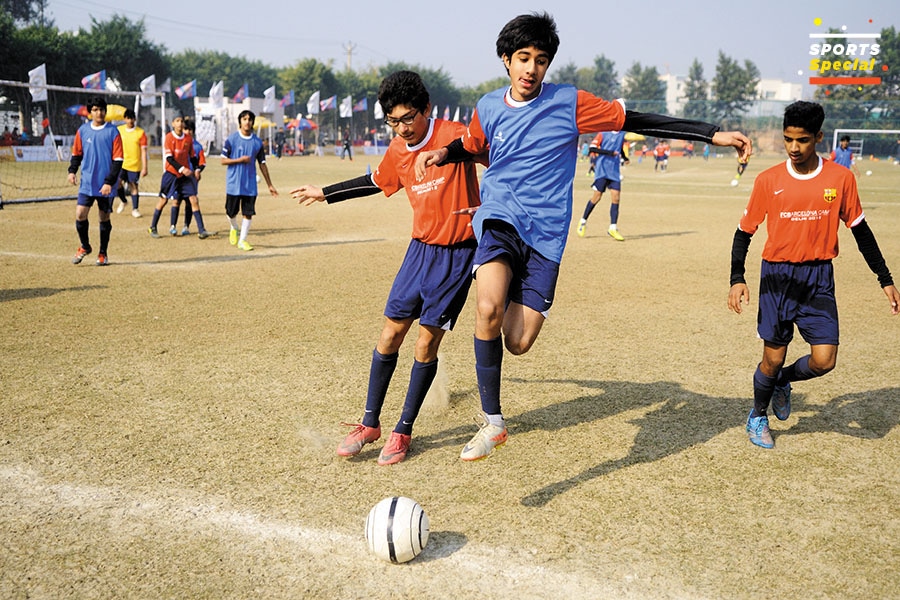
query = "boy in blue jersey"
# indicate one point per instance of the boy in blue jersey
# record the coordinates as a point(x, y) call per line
point(607, 177)
point(97, 149)
point(524, 218)
point(843, 155)
point(240, 150)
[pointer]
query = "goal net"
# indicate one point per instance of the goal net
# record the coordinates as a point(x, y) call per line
point(36, 139)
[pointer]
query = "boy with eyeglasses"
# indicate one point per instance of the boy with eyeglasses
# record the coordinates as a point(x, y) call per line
point(434, 278)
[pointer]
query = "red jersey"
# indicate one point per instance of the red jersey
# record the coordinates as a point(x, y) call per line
point(802, 212)
point(661, 150)
point(443, 190)
point(181, 148)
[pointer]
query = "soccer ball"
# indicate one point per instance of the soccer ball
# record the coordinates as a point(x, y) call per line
point(734, 182)
point(397, 529)
point(868, 172)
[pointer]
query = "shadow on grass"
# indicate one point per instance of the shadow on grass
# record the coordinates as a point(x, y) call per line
point(43, 292)
point(677, 420)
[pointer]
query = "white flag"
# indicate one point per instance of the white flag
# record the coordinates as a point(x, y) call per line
point(37, 81)
point(456, 114)
point(312, 106)
point(346, 108)
point(269, 100)
point(148, 88)
point(167, 85)
point(434, 112)
point(379, 112)
point(217, 96)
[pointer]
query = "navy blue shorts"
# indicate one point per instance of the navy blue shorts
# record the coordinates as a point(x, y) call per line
point(801, 294)
point(104, 203)
point(129, 176)
point(601, 184)
point(432, 284)
point(246, 205)
point(179, 188)
point(534, 276)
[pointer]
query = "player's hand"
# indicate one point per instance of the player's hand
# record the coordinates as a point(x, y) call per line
point(105, 189)
point(197, 174)
point(737, 139)
point(427, 159)
point(308, 194)
point(273, 191)
point(738, 294)
point(71, 178)
point(894, 296)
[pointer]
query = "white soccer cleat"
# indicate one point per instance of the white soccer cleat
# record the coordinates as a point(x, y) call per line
point(488, 437)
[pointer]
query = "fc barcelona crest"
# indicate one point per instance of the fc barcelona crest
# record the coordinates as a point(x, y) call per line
point(830, 195)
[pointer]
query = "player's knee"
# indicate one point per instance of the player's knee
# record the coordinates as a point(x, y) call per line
point(517, 346)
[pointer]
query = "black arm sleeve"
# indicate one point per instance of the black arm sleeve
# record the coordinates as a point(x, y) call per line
point(739, 246)
point(663, 126)
point(352, 188)
point(171, 160)
point(868, 247)
point(75, 162)
point(456, 153)
point(113, 176)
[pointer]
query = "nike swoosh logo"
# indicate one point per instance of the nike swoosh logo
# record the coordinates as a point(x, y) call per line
point(779, 191)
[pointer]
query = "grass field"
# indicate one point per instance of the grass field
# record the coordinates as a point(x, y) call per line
point(169, 422)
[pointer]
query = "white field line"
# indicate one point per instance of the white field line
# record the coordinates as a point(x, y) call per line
point(23, 490)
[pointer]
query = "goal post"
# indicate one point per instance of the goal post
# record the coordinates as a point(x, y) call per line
point(858, 139)
point(37, 137)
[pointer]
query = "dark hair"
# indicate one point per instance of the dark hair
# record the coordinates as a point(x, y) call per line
point(403, 87)
point(537, 30)
point(95, 101)
point(247, 112)
point(129, 114)
point(808, 116)
point(845, 138)
point(189, 124)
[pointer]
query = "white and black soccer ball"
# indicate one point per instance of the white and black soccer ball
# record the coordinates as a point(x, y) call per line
point(397, 529)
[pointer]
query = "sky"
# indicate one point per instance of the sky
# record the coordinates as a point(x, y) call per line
point(459, 38)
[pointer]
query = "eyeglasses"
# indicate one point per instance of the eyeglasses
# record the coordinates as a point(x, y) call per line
point(406, 119)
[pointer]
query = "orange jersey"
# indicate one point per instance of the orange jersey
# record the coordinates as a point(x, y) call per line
point(181, 148)
point(442, 191)
point(802, 212)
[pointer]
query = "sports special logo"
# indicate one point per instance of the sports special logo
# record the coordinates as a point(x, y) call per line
point(841, 58)
point(830, 195)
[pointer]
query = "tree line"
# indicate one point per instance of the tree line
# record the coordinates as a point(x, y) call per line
point(120, 46)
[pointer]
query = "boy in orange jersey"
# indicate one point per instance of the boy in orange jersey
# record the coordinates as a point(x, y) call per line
point(804, 200)
point(178, 179)
point(435, 276)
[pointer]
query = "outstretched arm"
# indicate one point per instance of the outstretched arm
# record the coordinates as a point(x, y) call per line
point(664, 126)
point(351, 188)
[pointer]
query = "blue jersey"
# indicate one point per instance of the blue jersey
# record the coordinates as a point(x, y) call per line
point(98, 148)
point(533, 155)
point(607, 165)
point(843, 156)
point(240, 179)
